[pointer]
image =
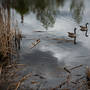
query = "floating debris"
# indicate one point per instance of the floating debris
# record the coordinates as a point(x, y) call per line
point(34, 82)
point(39, 31)
point(41, 77)
point(76, 67)
point(67, 70)
point(35, 43)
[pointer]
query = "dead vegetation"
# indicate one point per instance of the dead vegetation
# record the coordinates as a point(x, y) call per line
point(10, 38)
point(17, 84)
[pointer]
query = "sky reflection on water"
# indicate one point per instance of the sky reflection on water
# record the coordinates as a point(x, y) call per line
point(55, 18)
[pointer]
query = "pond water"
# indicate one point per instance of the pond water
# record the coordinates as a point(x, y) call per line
point(49, 21)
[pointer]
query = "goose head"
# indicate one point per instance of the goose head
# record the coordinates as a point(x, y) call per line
point(87, 24)
point(75, 30)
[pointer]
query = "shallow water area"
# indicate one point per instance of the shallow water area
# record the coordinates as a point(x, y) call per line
point(50, 21)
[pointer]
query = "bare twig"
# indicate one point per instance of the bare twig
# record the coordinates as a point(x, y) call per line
point(34, 44)
point(67, 70)
point(76, 67)
point(20, 81)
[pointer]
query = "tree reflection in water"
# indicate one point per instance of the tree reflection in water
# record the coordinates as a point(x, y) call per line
point(46, 10)
point(77, 8)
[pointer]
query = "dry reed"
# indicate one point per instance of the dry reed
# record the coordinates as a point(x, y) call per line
point(10, 38)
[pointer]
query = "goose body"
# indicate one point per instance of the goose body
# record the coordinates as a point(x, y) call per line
point(84, 28)
point(72, 35)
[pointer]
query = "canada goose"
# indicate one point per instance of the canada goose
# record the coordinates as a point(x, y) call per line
point(73, 35)
point(84, 28)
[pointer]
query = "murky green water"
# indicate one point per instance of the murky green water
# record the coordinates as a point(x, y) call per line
point(49, 21)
